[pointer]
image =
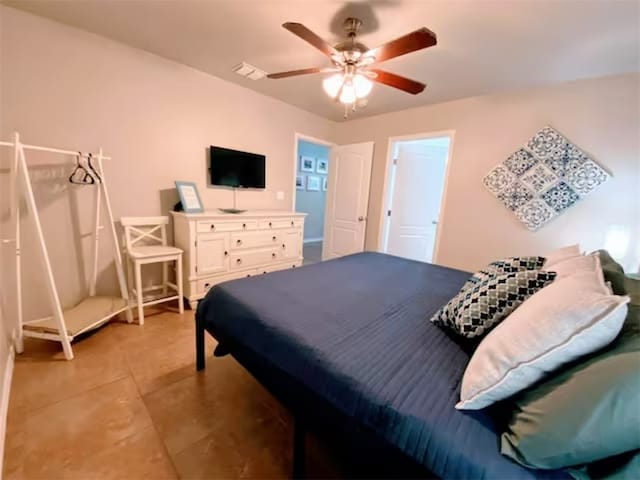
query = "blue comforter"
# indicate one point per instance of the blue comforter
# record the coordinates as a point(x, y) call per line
point(355, 331)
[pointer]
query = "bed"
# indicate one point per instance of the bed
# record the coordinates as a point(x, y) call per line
point(347, 345)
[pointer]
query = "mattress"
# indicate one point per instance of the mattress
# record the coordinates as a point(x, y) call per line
point(355, 333)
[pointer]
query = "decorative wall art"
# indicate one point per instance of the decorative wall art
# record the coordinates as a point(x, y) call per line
point(322, 166)
point(543, 179)
point(313, 183)
point(299, 182)
point(307, 164)
point(324, 184)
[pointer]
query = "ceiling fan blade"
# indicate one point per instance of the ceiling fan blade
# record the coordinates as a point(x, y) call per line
point(421, 38)
point(304, 71)
point(308, 36)
point(396, 81)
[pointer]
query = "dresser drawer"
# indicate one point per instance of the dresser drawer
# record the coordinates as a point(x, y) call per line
point(255, 239)
point(253, 258)
point(280, 222)
point(279, 266)
point(204, 285)
point(226, 225)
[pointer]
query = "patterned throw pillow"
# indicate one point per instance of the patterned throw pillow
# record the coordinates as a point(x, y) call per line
point(443, 317)
point(508, 265)
point(477, 309)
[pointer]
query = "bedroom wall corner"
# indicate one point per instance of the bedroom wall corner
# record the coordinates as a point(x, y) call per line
point(156, 118)
point(599, 115)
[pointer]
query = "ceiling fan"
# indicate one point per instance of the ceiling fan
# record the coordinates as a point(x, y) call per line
point(353, 62)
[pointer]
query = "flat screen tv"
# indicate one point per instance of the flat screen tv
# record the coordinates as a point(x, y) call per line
point(232, 168)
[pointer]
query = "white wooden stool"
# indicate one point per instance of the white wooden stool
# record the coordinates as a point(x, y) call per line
point(146, 243)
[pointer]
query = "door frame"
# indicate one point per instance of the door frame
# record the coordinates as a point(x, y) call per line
point(296, 138)
point(386, 188)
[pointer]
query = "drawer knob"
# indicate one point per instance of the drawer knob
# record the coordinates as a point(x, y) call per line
point(213, 227)
point(273, 255)
point(292, 223)
point(248, 275)
point(239, 261)
point(244, 225)
point(270, 224)
point(206, 285)
point(274, 238)
point(284, 246)
point(238, 242)
point(226, 253)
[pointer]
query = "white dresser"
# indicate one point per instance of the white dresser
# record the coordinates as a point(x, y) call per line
point(221, 246)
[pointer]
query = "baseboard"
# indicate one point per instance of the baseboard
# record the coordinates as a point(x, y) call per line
point(4, 401)
point(312, 240)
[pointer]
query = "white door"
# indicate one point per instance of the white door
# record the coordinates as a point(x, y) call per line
point(347, 199)
point(416, 194)
point(212, 253)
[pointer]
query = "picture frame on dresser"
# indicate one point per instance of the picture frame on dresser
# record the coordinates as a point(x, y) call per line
point(189, 197)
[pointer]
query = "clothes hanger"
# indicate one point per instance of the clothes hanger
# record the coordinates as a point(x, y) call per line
point(85, 179)
point(93, 172)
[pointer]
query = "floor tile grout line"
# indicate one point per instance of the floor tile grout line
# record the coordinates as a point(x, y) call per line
point(30, 411)
point(126, 437)
point(153, 422)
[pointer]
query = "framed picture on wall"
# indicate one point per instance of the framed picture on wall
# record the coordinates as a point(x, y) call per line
point(324, 184)
point(299, 182)
point(313, 183)
point(307, 164)
point(322, 166)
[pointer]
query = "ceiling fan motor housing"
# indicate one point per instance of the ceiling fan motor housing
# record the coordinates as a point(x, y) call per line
point(350, 49)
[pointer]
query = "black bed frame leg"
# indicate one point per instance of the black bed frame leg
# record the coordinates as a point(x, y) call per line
point(200, 363)
point(299, 433)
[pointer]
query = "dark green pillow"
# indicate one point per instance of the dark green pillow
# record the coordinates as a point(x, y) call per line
point(621, 283)
point(620, 467)
point(590, 409)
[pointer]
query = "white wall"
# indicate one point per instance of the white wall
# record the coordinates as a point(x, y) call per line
point(602, 116)
point(61, 86)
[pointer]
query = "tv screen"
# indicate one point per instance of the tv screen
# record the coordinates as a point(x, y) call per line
point(232, 168)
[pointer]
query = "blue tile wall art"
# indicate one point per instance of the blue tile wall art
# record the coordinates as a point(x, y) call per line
point(544, 178)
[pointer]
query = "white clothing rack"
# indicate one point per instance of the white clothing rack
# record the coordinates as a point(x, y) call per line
point(62, 325)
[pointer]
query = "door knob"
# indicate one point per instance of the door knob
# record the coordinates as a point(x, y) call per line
point(434, 222)
point(361, 219)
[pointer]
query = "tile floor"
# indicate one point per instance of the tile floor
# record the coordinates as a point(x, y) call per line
point(131, 405)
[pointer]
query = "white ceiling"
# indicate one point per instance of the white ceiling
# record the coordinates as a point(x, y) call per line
point(483, 46)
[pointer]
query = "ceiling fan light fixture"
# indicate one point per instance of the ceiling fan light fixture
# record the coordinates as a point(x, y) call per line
point(362, 85)
point(348, 94)
point(347, 88)
point(332, 84)
point(353, 60)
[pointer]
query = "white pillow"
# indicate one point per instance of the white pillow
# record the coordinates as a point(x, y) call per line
point(576, 264)
point(571, 317)
point(562, 254)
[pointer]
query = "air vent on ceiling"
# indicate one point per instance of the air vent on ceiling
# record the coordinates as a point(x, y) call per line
point(249, 71)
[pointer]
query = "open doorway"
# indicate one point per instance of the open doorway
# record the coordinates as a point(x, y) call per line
point(416, 176)
point(312, 174)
